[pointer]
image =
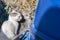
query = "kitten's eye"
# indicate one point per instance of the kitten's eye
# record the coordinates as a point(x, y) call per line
point(14, 14)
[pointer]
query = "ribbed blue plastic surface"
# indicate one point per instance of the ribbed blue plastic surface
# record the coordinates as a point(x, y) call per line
point(47, 21)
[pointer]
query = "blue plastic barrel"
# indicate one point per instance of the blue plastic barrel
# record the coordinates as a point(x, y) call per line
point(46, 25)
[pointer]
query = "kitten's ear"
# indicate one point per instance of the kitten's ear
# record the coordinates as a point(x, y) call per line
point(12, 13)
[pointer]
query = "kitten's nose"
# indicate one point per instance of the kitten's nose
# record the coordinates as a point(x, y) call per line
point(20, 17)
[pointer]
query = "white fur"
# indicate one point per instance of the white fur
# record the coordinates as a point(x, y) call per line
point(10, 26)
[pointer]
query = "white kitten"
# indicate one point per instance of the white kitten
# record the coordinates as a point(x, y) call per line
point(10, 26)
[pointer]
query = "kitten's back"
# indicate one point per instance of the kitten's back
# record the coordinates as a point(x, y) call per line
point(8, 29)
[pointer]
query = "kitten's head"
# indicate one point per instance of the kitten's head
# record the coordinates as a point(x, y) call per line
point(16, 16)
